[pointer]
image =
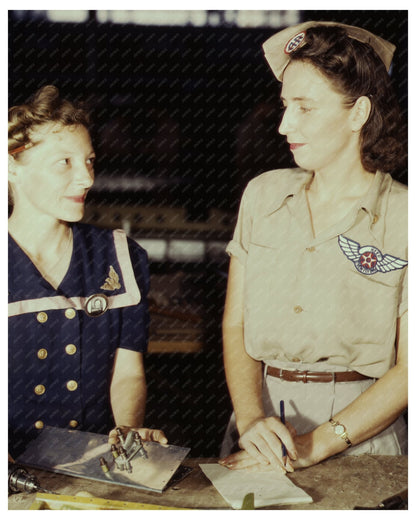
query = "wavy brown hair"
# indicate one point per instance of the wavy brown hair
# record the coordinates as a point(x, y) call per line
point(45, 106)
point(354, 69)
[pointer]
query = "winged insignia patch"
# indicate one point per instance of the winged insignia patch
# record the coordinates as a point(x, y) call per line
point(112, 281)
point(369, 259)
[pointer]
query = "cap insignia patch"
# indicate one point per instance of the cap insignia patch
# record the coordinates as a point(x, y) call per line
point(294, 42)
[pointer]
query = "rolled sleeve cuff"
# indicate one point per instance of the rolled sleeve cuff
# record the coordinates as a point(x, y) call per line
point(235, 249)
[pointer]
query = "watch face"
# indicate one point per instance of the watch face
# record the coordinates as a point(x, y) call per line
point(339, 429)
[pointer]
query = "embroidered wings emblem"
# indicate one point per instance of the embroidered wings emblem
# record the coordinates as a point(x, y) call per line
point(112, 281)
point(369, 259)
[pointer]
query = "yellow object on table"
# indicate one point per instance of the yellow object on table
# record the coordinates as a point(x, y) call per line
point(49, 501)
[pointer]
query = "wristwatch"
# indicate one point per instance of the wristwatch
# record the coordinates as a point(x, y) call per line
point(339, 429)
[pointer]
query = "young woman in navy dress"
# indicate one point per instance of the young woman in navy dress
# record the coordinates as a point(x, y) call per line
point(78, 313)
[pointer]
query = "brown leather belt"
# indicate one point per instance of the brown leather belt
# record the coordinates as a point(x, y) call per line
point(306, 376)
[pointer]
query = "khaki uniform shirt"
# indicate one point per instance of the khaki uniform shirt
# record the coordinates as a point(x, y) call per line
point(334, 298)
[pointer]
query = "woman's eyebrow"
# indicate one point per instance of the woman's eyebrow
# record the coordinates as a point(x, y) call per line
point(297, 98)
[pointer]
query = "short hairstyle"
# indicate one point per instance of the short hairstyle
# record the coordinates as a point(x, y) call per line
point(45, 106)
point(354, 70)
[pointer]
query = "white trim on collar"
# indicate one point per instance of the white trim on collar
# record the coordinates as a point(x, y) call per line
point(131, 296)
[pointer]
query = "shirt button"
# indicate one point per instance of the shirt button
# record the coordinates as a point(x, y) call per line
point(39, 389)
point(297, 309)
point(70, 349)
point(375, 219)
point(70, 313)
point(73, 423)
point(39, 425)
point(42, 317)
point(310, 249)
point(42, 353)
point(72, 385)
point(295, 360)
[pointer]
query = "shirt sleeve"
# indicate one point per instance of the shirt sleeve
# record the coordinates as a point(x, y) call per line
point(134, 327)
point(238, 246)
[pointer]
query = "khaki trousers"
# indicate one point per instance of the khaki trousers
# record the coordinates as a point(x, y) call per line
point(307, 405)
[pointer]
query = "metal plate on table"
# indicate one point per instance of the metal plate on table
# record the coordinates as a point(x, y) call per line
point(78, 454)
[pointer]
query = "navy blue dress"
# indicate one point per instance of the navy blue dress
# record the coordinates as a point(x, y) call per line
point(60, 355)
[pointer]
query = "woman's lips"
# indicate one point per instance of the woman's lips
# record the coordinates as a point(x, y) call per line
point(78, 198)
point(295, 146)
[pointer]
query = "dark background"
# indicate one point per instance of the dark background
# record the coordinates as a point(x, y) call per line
point(194, 112)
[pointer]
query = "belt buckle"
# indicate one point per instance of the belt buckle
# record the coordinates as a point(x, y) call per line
point(304, 376)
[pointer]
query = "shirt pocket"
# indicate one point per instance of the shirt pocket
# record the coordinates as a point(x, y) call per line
point(369, 312)
point(262, 261)
point(268, 277)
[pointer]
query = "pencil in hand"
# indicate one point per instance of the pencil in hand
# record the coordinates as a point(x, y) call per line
point(283, 419)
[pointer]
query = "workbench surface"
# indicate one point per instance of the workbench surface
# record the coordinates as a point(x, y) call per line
point(338, 483)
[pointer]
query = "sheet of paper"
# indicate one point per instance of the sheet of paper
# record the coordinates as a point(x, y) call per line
point(78, 453)
point(269, 487)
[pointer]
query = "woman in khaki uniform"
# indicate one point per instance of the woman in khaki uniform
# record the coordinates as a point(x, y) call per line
point(316, 310)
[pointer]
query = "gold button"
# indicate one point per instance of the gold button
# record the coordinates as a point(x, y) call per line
point(72, 385)
point(375, 219)
point(39, 425)
point(73, 423)
point(70, 349)
point(310, 249)
point(295, 360)
point(297, 309)
point(70, 313)
point(42, 317)
point(39, 390)
point(42, 353)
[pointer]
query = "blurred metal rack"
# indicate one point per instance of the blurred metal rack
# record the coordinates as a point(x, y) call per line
point(166, 233)
point(159, 221)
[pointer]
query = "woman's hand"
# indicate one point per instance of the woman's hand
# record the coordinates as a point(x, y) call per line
point(303, 443)
point(242, 460)
point(262, 441)
point(146, 434)
point(304, 448)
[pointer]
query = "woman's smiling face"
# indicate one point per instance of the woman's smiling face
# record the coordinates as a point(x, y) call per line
point(316, 121)
point(53, 177)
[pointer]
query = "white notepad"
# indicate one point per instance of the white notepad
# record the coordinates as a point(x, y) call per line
point(269, 487)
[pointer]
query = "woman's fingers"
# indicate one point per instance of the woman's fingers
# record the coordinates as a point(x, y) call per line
point(243, 460)
point(285, 432)
point(113, 437)
point(263, 441)
point(291, 428)
point(146, 434)
point(239, 460)
point(263, 448)
point(287, 439)
point(275, 451)
point(252, 445)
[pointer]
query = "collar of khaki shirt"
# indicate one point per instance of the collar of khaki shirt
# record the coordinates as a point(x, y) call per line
point(372, 203)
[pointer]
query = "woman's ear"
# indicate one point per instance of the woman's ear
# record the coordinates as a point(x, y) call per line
point(14, 177)
point(12, 167)
point(360, 113)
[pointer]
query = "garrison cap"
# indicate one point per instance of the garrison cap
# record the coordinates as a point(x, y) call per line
point(277, 48)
